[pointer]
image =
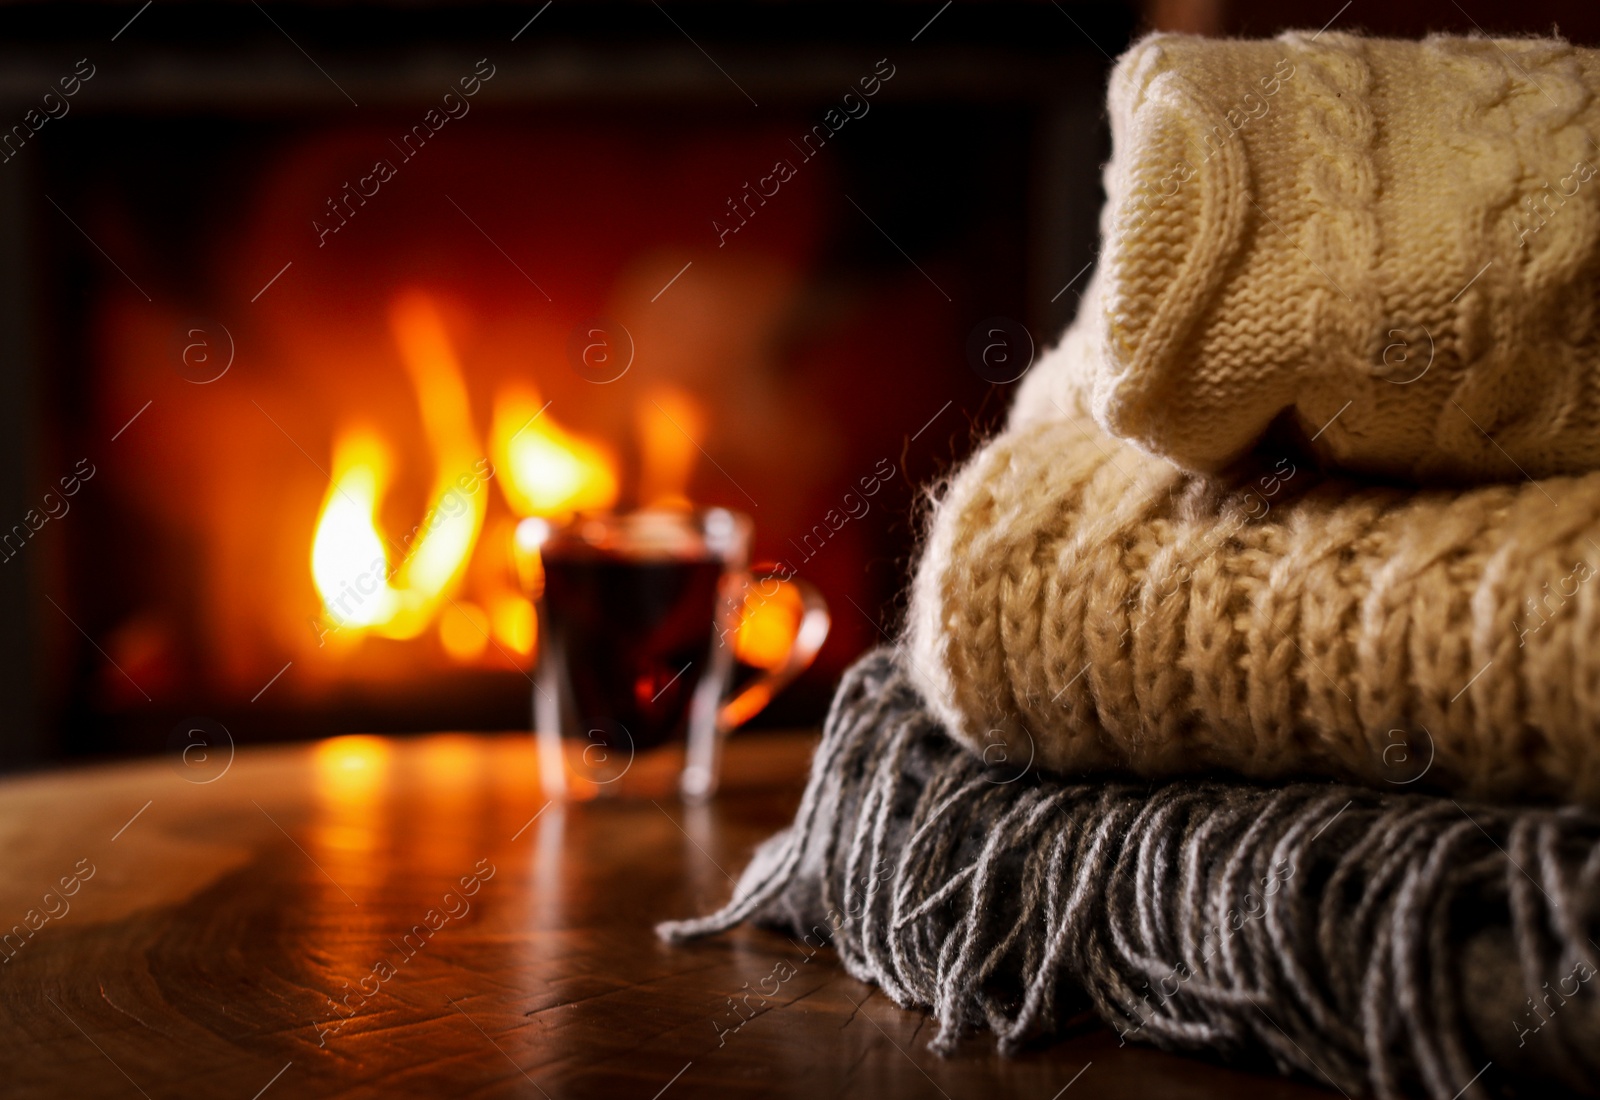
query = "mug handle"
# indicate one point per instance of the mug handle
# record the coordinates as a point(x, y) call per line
point(808, 639)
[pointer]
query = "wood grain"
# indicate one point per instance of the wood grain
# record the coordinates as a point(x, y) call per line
point(204, 932)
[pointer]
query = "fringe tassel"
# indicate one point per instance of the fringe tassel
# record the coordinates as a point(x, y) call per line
point(1375, 941)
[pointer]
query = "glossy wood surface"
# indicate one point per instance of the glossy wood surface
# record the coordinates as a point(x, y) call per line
point(297, 926)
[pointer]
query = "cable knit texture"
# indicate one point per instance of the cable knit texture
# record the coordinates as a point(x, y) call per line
point(1086, 602)
point(1394, 246)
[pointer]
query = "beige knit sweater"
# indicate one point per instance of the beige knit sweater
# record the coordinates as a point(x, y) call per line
point(1394, 244)
point(1086, 606)
point(1330, 232)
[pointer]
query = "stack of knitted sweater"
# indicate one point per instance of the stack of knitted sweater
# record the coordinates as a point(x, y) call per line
point(1250, 693)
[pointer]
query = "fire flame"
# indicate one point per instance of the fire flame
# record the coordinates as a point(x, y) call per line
point(545, 469)
point(671, 426)
point(369, 582)
point(451, 526)
point(350, 557)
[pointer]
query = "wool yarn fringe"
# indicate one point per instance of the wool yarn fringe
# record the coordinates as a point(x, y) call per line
point(1379, 942)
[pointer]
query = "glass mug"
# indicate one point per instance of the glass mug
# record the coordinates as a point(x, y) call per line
point(637, 614)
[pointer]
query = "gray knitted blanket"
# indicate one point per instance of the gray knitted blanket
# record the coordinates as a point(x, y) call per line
point(1379, 942)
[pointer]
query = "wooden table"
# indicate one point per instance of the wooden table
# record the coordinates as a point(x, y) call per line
point(205, 930)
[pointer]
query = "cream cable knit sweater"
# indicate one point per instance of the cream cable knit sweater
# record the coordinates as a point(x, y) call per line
point(1284, 215)
point(1086, 606)
point(1395, 243)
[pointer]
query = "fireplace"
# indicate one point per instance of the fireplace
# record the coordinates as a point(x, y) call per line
point(315, 306)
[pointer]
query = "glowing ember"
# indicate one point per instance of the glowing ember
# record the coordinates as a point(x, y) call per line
point(463, 630)
point(546, 470)
point(511, 621)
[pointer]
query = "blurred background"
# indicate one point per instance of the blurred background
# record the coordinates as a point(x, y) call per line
point(265, 269)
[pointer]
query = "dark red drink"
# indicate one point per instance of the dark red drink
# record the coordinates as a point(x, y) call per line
point(634, 635)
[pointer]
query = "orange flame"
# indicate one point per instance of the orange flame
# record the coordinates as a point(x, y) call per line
point(371, 583)
point(348, 560)
point(351, 560)
point(439, 556)
point(545, 469)
point(671, 427)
